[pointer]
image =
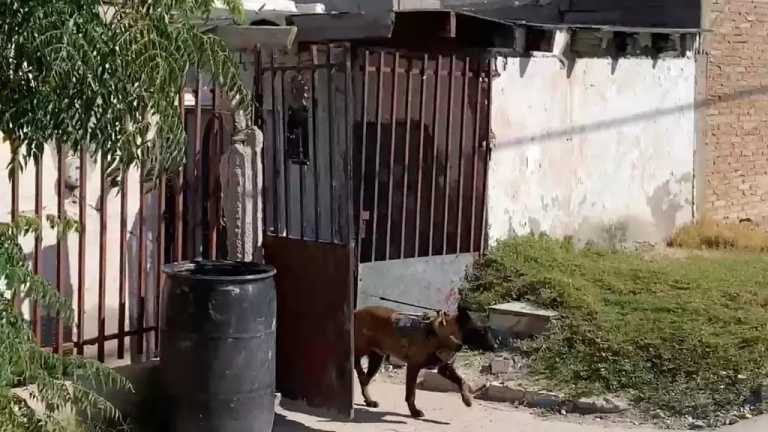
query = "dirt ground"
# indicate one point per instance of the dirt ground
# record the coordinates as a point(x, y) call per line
point(445, 413)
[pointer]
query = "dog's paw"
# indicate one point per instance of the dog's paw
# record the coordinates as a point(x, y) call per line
point(417, 413)
point(467, 399)
point(371, 404)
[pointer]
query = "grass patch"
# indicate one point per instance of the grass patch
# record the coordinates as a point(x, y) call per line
point(710, 234)
point(685, 335)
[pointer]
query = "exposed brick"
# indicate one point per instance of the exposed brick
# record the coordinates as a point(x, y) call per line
point(737, 119)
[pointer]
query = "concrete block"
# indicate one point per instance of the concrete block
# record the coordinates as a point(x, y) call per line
point(500, 366)
point(501, 393)
point(602, 405)
point(520, 319)
point(542, 400)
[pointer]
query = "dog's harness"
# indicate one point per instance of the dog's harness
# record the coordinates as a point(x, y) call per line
point(412, 327)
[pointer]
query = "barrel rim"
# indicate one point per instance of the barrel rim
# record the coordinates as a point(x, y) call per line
point(180, 269)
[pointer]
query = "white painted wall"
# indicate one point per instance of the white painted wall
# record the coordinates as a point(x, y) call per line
point(425, 281)
point(610, 146)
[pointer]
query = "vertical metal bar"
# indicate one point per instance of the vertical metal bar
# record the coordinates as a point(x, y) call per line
point(422, 103)
point(196, 171)
point(81, 252)
point(379, 93)
point(364, 144)
point(393, 121)
point(60, 256)
point(348, 157)
point(331, 147)
point(313, 95)
point(211, 219)
point(408, 91)
point(275, 140)
point(487, 153)
point(462, 128)
point(284, 149)
point(18, 298)
point(449, 134)
point(159, 276)
point(178, 230)
point(122, 266)
point(302, 186)
point(14, 185)
point(475, 145)
point(142, 265)
point(37, 265)
point(102, 258)
point(435, 128)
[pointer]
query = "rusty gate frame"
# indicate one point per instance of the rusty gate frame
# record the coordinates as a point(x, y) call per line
point(177, 229)
point(376, 62)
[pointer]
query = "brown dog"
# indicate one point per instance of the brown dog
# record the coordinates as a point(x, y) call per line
point(421, 342)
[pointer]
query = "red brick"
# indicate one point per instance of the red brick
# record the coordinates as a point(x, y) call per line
point(737, 129)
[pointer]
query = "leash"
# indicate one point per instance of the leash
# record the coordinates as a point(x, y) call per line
point(407, 304)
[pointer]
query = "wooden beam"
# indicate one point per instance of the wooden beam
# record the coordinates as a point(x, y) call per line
point(248, 37)
point(343, 26)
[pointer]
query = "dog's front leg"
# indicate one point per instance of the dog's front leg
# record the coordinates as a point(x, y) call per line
point(411, 375)
point(448, 372)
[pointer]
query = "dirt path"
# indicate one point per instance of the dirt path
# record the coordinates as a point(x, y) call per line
point(444, 413)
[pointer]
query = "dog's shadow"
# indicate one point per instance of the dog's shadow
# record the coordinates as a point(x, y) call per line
point(365, 415)
point(362, 415)
point(284, 424)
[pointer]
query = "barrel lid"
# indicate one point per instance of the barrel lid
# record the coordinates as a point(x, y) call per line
point(219, 270)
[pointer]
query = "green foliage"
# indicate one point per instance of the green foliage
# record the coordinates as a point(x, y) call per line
point(53, 382)
point(686, 335)
point(81, 73)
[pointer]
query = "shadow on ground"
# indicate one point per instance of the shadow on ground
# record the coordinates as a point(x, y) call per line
point(363, 415)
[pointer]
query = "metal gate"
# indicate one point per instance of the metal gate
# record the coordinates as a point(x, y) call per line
point(423, 133)
point(305, 101)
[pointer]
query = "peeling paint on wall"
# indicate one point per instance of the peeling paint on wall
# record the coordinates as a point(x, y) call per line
point(605, 155)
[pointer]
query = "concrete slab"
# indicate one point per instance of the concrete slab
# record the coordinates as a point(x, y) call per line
point(520, 319)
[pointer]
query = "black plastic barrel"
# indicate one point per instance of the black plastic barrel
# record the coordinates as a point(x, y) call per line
point(218, 346)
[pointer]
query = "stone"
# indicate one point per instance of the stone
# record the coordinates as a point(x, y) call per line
point(520, 319)
point(240, 195)
point(498, 392)
point(72, 173)
point(697, 425)
point(500, 366)
point(432, 381)
point(542, 400)
point(604, 405)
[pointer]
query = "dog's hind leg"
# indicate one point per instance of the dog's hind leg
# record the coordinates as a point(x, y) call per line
point(374, 362)
point(412, 373)
point(448, 372)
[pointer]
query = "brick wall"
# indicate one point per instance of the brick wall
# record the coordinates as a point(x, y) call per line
point(736, 152)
